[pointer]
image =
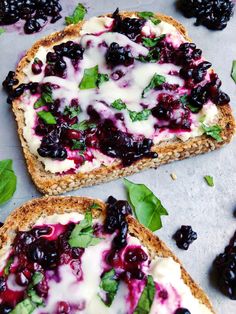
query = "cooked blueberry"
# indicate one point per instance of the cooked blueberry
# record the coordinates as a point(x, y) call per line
point(182, 310)
point(117, 55)
point(184, 237)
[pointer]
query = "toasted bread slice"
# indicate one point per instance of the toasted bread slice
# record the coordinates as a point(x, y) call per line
point(24, 217)
point(168, 151)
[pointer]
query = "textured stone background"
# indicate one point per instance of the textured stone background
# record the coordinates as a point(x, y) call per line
point(188, 199)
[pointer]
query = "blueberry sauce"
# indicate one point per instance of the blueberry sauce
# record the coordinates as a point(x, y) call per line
point(184, 237)
point(34, 13)
point(225, 268)
point(214, 14)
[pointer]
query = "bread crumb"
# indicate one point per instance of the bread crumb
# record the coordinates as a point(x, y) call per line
point(173, 176)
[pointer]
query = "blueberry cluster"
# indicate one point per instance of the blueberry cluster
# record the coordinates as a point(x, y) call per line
point(214, 14)
point(117, 55)
point(225, 266)
point(34, 12)
point(184, 237)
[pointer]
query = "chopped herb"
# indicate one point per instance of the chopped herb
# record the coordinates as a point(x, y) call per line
point(139, 116)
point(152, 56)
point(109, 284)
point(6, 270)
point(185, 102)
point(145, 301)
point(82, 235)
point(102, 78)
point(7, 180)
point(37, 278)
point(72, 111)
point(233, 73)
point(118, 104)
point(94, 206)
point(77, 16)
point(90, 78)
point(37, 300)
point(78, 145)
point(152, 42)
point(2, 30)
point(213, 131)
point(24, 307)
point(155, 81)
point(83, 125)
point(209, 180)
point(147, 15)
point(147, 207)
point(45, 98)
point(47, 117)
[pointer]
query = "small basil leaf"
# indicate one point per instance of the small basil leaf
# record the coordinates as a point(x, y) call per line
point(95, 206)
point(139, 116)
point(90, 78)
point(155, 81)
point(37, 278)
point(152, 56)
point(102, 78)
point(47, 117)
point(7, 181)
point(78, 145)
point(185, 102)
point(77, 16)
point(233, 73)
point(109, 284)
point(209, 180)
point(6, 270)
point(118, 104)
point(72, 111)
point(147, 15)
point(24, 307)
point(39, 103)
point(145, 302)
point(152, 42)
point(83, 125)
point(37, 300)
point(45, 98)
point(147, 207)
point(214, 131)
point(84, 241)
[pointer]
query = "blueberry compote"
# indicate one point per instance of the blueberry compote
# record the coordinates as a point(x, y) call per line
point(34, 13)
point(184, 237)
point(225, 267)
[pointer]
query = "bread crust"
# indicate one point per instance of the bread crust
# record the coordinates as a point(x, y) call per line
point(53, 184)
point(24, 217)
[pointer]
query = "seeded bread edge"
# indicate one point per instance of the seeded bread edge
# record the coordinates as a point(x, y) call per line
point(24, 217)
point(53, 184)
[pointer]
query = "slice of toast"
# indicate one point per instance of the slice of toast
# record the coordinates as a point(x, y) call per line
point(25, 217)
point(168, 151)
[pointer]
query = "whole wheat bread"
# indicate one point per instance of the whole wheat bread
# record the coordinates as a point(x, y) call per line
point(24, 217)
point(169, 151)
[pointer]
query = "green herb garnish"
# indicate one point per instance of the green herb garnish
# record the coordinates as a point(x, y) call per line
point(185, 102)
point(24, 307)
point(83, 125)
point(45, 98)
point(77, 16)
point(78, 145)
point(92, 78)
point(147, 15)
point(109, 284)
point(155, 81)
point(145, 302)
point(147, 207)
point(213, 131)
point(7, 180)
point(139, 116)
point(233, 72)
point(209, 180)
point(152, 56)
point(2, 30)
point(118, 104)
point(6, 270)
point(102, 78)
point(152, 42)
point(72, 111)
point(82, 235)
point(47, 117)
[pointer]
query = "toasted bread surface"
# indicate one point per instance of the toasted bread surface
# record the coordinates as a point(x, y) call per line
point(53, 184)
point(24, 217)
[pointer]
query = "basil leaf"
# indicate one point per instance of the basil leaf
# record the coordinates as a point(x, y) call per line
point(213, 131)
point(152, 42)
point(152, 56)
point(7, 180)
point(37, 300)
point(77, 16)
point(233, 73)
point(90, 78)
point(37, 278)
point(95, 206)
point(6, 270)
point(45, 98)
point(109, 284)
point(155, 81)
point(47, 117)
point(102, 78)
point(83, 125)
point(72, 111)
point(82, 235)
point(185, 102)
point(2, 30)
point(78, 145)
point(209, 180)
point(24, 307)
point(147, 207)
point(139, 116)
point(118, 104)
point(147, 15)
point(145, 302)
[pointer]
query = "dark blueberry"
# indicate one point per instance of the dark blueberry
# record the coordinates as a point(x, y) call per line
point(21, 279)
point(184, 237)
point(10, 81)
point(135, 255)
point(33, 87)
point(37, 66)
point(214, 14)
point(2, 284)
point(222, 98)
point(186, 73)
point(32, 26)
point(182, 310)
point(199, 96)
point(1, 224)
point(5, 308)
point(117, 55)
